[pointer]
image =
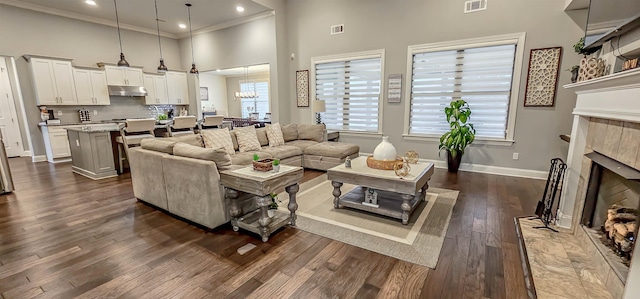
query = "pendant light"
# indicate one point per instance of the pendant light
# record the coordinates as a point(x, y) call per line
point(122, 62)
point(161, 68)
point(193, 70)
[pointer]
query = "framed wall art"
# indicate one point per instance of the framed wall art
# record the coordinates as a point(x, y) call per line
point(542, 77)
point(302, 88)
point(204, 93)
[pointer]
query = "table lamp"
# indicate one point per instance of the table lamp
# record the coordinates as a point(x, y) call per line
point(319, 107)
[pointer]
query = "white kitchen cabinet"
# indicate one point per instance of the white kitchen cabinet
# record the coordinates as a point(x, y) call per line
point(56, 144)
point(53, 81)
point(91, 87)
point(156, 86)
point(126, 76)
point(177, 88)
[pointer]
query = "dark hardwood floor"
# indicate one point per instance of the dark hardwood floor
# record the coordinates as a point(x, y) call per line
point(63, 235)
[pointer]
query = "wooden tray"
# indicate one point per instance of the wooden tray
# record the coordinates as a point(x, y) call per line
point(263, 165)
point(383, 164)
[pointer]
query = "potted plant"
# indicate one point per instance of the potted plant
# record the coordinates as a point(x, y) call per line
point(579, 48)
point(459, 135)
point(276, 165)
point(574, 73)
point(273, 205)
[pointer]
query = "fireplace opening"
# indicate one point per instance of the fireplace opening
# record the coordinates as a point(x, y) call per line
point(611, 204)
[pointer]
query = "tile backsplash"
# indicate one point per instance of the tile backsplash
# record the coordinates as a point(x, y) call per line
point(120, 108)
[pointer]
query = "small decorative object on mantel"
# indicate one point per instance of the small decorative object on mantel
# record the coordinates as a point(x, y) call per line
point(542, 78)
point(412, 157)
point(263, 165)
point(402, 169)
point(630, 64)
point(302, 88)
point(591, 68)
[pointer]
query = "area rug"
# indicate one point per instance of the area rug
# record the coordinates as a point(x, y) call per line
point(419, 242)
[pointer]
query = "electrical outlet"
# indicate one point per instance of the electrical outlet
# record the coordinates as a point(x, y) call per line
point(95, 112)
point(516, 156)
point(59, 112)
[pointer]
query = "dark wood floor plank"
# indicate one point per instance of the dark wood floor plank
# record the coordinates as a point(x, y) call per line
point(59, 241)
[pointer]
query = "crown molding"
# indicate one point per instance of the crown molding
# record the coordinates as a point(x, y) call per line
point(230, 23)
point(72, 15)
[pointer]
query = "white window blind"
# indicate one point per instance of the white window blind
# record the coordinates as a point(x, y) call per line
point(351, 91)
point(259, 104)
point(482, 76)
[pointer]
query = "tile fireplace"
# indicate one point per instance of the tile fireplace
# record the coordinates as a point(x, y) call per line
point(601, 184)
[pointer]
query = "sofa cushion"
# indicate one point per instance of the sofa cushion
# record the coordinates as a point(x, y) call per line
point(192, 139)
point(283, 151)
point(289, 132)
point(234, 140)
point(158, 145)
point(245, 158)
point(262, 136)
point(217, 155)
point(247, 139)
point(302, 144)
point(311, 132)
point(216, 138)
point(332, 149)
point(274, 133)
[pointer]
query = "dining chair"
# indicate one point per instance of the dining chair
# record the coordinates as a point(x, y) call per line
point(131, 134)
point(182, 125)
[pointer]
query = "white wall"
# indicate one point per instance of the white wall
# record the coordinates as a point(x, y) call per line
point(29, 32)
point(217, 92)
point(394, 25)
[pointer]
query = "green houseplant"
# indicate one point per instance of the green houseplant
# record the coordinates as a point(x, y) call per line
point(276, 165)
point(460, 133)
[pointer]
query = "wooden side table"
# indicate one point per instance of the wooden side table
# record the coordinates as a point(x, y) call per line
point(261, 184)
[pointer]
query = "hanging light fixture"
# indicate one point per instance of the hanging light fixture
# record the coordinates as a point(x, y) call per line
point(122, 62)
point(161, 68)
point(193, 70)
point(246, 94)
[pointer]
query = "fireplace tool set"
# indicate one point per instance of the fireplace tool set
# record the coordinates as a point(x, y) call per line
point(552, 190)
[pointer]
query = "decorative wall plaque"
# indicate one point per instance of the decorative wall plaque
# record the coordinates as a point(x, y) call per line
point(302, 88)
point(542, 78)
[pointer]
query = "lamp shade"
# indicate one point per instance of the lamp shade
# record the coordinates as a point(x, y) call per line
point(319, 106)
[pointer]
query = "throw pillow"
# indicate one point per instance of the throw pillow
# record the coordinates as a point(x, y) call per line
point(274, 134)
point(216, 138)
point(217, 155)
point(247, 139)
point(289, 132)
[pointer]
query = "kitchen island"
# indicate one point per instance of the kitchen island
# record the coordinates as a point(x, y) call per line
point(91, 150)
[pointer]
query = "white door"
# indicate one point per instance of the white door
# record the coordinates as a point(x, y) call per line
point(8, 116)
point(63, 72)
point(100, 89)
point(84, 91)
point(151, 98)
point(44, 82)
point(133, 76)
point(60, 144)
point(160, 83)
point(115, 75)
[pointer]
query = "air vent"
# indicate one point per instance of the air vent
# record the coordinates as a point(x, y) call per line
point(337, 29)
point(475, 5)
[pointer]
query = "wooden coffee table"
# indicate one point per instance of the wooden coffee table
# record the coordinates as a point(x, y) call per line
point(397, 197)
point(261, 184)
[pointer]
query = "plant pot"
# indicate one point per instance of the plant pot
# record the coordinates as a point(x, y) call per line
point(270, 213)
point(276, 168)
point(453, 163)
point(574, 75)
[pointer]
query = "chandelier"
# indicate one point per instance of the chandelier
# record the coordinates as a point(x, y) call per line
point(246, 94)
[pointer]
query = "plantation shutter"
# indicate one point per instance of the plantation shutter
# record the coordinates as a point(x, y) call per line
point(351, 91)
point(259, 104)
point(481, 76)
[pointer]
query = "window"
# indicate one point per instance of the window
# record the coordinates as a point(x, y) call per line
point(485, 73)
point(350, 85)
point(259, 104)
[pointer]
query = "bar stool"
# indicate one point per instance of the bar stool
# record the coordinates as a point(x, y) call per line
point(131, 134)
point(182, 125)
point(211, 121)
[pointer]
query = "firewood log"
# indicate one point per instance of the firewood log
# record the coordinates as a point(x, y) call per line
point(608, 227)
point(621, 229)
point(626, 245)
point(624, 217)
point(631, 227)
point(621, 209)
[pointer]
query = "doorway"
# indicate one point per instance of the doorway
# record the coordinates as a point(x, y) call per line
point(9, 126)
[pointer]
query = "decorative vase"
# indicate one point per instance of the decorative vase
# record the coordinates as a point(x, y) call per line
point(385, 150)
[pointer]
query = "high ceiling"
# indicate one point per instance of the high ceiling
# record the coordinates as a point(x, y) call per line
point(141, 13)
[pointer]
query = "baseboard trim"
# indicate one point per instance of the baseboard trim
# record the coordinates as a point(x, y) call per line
point(35, 159)
point(506, 171)
point(26, 154)
point(564, 221)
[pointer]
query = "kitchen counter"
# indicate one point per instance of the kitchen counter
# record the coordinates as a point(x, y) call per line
point(99, 123)
point(91, 151)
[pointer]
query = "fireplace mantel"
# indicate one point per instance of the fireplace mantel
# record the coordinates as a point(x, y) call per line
point(614, 97)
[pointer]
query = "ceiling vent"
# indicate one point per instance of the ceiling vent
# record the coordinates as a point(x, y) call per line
point(475, 5)
point(337, 29)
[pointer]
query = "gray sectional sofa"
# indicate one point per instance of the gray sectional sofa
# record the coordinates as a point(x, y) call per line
point(180, 176)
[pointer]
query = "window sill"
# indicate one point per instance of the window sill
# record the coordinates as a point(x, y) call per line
point(360, 134)
point(477, 141)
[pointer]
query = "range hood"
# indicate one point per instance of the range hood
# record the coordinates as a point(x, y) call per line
point(127, 91)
